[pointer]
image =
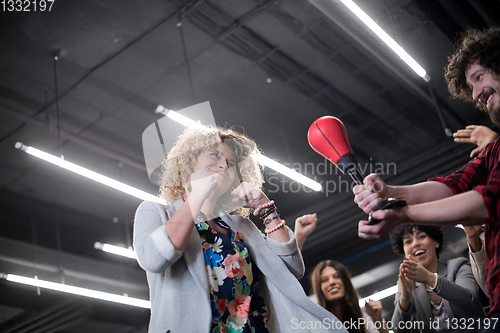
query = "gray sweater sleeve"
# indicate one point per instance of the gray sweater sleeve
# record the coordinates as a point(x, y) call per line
point(289, 253)
point(155, 252)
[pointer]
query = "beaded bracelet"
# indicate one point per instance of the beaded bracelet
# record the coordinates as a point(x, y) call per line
point(275, 228)
point(268, 212)
point(264, 209)
point(260, 210)
point(269, 220)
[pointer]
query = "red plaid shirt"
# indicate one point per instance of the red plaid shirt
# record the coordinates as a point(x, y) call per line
point(482, 174)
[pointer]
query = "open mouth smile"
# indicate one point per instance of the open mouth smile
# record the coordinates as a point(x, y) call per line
point(333, 290)
point(419, 253)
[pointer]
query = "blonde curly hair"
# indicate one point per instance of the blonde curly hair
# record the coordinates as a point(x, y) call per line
point(176, 169)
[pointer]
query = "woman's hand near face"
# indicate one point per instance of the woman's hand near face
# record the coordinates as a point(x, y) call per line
point(180, 226)
point(248, 196)
point(203, 184)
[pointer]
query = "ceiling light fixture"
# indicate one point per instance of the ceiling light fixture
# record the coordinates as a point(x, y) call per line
point(380, 295)
point(266, 161)
point(89, 173)
point(118, 250)
point(183, 120)
point(290, 173)
point(77, 290)
point(386, 39)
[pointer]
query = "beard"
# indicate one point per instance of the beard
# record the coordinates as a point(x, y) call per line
point(494, 113)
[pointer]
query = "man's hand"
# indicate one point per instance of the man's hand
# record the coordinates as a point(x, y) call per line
point(389, 219)
point(372, 192)
point(476, 134)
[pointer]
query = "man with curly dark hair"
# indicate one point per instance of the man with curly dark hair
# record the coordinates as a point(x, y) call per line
point(473, 71)
point(469, 196)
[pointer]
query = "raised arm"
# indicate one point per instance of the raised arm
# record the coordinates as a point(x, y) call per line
point(304, 225)
point(477, 255)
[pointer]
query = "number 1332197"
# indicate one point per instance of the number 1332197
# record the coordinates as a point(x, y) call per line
point(26, 5)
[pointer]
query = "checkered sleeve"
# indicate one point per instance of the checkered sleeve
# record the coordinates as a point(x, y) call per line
point(480, 174)
point(465, 178)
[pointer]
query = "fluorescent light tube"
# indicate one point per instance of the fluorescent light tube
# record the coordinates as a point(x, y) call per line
point(180, 118)
point(380, 295)
point(78, 291)
point(121, 251)
point(386, 39)
point(266, 161)
point(89, 173)
point(290, 173)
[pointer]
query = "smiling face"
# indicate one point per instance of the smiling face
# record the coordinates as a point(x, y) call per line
point(421, 247)
point(485, 87)
point(219, 161)
point(331, 283)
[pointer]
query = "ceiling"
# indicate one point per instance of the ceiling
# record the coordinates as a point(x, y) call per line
point(268, 67)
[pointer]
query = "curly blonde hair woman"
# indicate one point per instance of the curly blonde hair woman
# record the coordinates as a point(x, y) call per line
point(177, 168)
point(209, 268)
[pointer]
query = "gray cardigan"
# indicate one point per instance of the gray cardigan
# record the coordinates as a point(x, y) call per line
point(180, 299)
point(459, 292)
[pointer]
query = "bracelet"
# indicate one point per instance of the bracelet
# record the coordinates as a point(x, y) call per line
point(275, 228)
point(268, 212)
point(260, 210)
point(435, 283)
point(269, 220)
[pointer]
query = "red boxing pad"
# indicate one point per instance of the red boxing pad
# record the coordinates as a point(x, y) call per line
point(328, 137)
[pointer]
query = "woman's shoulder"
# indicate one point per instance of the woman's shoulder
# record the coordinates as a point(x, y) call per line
point(456, 264)
point(457, 261)
point(147, 205)
point(158, 207)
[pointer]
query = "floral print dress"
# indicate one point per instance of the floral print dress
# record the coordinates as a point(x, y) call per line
point(232, 280)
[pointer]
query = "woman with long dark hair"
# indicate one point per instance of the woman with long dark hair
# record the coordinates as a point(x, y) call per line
point(331, 284)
